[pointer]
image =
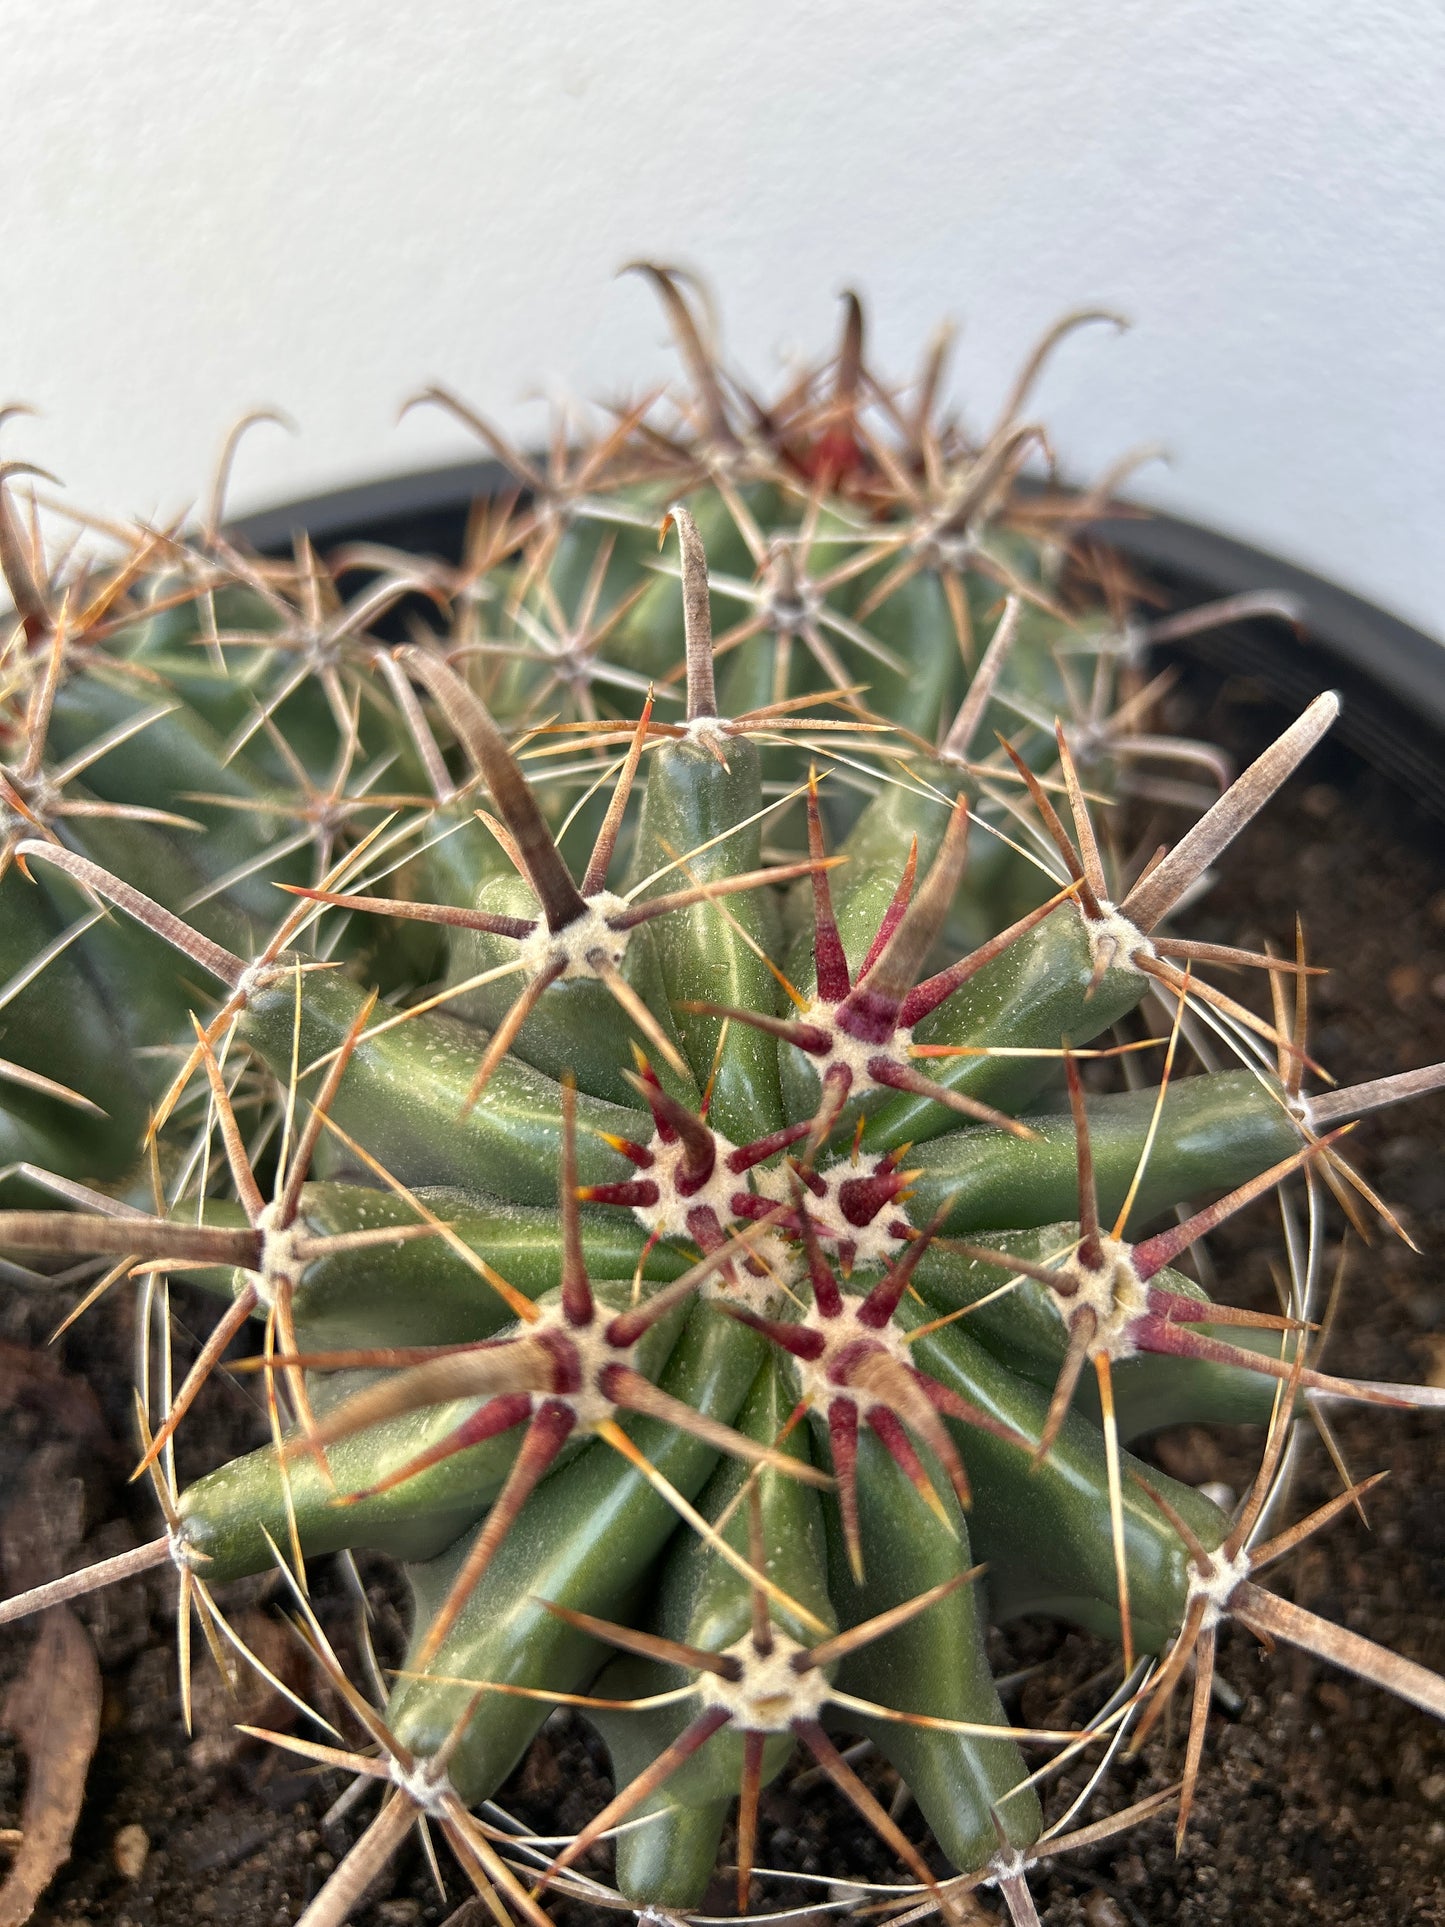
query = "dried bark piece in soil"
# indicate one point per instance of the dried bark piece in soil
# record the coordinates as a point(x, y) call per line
point(53, 1709)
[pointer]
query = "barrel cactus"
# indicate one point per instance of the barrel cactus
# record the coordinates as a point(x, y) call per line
point(610, 1018)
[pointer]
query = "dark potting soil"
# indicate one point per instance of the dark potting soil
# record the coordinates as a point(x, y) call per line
point(1322, 1801)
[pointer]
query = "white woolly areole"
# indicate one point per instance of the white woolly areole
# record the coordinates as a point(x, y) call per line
point(947, 549)
point(771, 1693)
point(874, 1244)
point(1114, 942)
point(183, 1555)
point(582, 939)
point(592, 1351)
point(668, 1217)
point(41, 799)
point(425, 1784)
point(817, 1385)
point(702, 729)
point(264, 972)
point(1217, 1586)
point(281, 1261)
point(1007, 1864)
point(1114, 1292)
point(594, 1355)
point(259, 976)
point(844, 1049)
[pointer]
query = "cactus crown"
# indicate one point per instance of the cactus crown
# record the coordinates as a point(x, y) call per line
point(650, 1135)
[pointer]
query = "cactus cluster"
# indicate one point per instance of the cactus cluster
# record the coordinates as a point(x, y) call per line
point(616, 1051)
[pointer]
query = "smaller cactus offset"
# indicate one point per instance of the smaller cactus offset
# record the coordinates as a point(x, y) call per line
point(621, 1056)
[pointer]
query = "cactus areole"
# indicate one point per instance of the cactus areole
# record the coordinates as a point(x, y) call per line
point(694, 1112)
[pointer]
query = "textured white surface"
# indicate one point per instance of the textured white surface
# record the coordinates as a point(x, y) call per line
point(324, 204)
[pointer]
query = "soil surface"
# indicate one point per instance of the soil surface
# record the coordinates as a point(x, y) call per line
point(1322, 1801)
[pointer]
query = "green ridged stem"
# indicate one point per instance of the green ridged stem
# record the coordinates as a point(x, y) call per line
point(1025, 1332)
point(132, 969)
point(61, 1026)
point(1215, 1132)
point(421, 1290)
point(1044, 1531)
point(235, 1516)
point(26, 1137)
point(672, 1859)
point(175, 643)
point(934, 1663)
point(404, 1092)
point(588, 1539)
point(706, 1603)
point(692, 798)
point(189, 759)
point(424, 1292)
point(1040, 990)
point(457, 857)
point(915, 623)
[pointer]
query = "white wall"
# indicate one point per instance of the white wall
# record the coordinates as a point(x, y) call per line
point(324, 203)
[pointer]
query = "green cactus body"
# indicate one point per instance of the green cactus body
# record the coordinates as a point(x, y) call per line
point(705, 1602)
point(818, 1125)
point(597, 1527)
point(707, 796)
point(934, 1665)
